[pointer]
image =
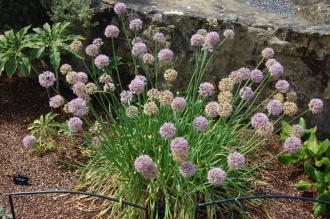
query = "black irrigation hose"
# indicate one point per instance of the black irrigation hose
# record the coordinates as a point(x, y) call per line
point(242, 198)
point(10, 196)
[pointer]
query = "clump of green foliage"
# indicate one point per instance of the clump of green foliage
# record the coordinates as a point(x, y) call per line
point(4, 213)
point(315, 158)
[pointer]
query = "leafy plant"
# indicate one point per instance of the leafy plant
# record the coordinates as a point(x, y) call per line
point(315, 159)
point(4, 213)
point(45, 129)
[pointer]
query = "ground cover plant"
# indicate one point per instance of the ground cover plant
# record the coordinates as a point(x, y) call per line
point(164, 148)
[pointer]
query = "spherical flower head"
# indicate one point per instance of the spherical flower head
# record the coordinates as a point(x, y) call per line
point(276, 70)
point(265, 130)
point(47, 79)
point(65, 68)
point(225, 96)
point(167, 130)
point(165, 56)
point(206, 89)
point(202, 32)
point(135, 24)
point(105, 78)
point(56, 101)
point(76, 45)
point(120, 8)
point(109, 87)
point(282, 86)
point(148, 59)
point(229, 34)
point(75, 124)
point(136, 86)
point(246, 93)
point(150, 108)
point(258, 119)
point(178, 104)
point(292, 144)
point(79, 88)
point(187, 169)
point(256, 76)
point(290, 108)
point(236, 76)
point(315, 105)
point(246, 73)
point(225, 109)
point(137, 40)
point(200, 123)
point(146, 166)
point(159, 37)
point(29, 141)
point(82, 77)
point(153, 94)
point(270, 62)
point(98, 42)
point(72, 77)
point(91, 88)
point(292, 96)
point(141, 77)
point(212, 39)
point(275, 107)
point(297, 131)
point(180, 149)
point(197, 40)
point(211, 109)
point(170, 74)
point(216, 176)
point(101, 61)
point(132, 111)
point(279, 97)
point(235, 160)
point(92, 50)
point(111, 31)
point(226, 84)
point(267, 53)
point(78, 107)
point(126, 96)
point(165, 98)
point(139, 49)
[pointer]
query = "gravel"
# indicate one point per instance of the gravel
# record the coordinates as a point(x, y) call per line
point(281, 7)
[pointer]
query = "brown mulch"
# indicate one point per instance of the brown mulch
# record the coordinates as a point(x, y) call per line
point(21, 101)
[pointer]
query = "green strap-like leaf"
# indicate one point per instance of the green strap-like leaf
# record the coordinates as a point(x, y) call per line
point(25, 66)
point(2, 66)
point(313, 145)
point(11, 66)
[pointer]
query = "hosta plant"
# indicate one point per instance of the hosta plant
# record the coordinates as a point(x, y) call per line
point(163, 148)
point(314, 156)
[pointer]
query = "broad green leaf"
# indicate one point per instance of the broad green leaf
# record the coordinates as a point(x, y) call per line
point(312, 143)
point(37, 52)
point(319, 209)
point(288, 158)
point(323, 161)
point(310, 170)
point(55, 59)
point(286, 129)
point(323, 146)
point(25, 66)
point(76, 54)
point(21, 33)
point(303, 185)
point(2, 66)
point(302, 123)
point(11, 66)
point(327, 176)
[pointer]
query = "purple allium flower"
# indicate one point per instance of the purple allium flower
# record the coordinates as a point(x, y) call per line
point(256, 76)
point(167, 130)
point(230, 34)
point(137, 40)
point(72, 77)
point(79, 89)
point(111, 31)
point(246, 93)
point(47, 79)
point(259, 119)
point(126, 96)
point(297, 131)
point(197, 40)
point(159, 37)
point(75, 124)
point(92, 50)
point(270, 62)
point(282, 86)
point(135, 24)
point(178, 104)
point(206, 89)
point(101, 61)
point(200, 123)
point(56, 101)
point(29, 141)
point(146, 166)
point(180, 149)
point(157, 17)
point(91, 88)
point(315, 105)
point(165, 56)
point(120, 8)
point(267, 53)
point(187, 169)
point(235, 160)
point(98, 42)
point(212, 39)
point(246, 73)
point(109, 87)
point(78, 107)
point(132, 111)
point(292, 144)
point(141, 77)
point(82, 77)
point(211, 109)
point(236, 76)
point(202, 32)
point(136, 86)
point(216, 176)
point(276, 70)
point(275, 107)
point(139, 50)
point(65, 68)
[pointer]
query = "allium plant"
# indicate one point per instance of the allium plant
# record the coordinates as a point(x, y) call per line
point(160, 145)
